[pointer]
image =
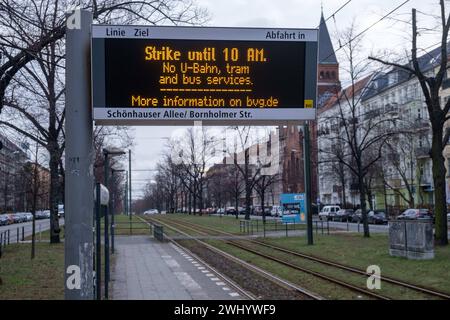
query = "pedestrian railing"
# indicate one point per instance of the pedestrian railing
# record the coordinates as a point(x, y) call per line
point(251, 226)
point(16, 235)
point(7, 237)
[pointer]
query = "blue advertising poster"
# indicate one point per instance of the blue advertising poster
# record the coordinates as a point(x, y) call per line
point(293, 207)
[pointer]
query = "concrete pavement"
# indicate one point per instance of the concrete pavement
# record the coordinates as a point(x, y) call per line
point(146, 269)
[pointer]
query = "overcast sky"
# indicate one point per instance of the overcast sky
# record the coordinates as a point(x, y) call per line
point(389, 34)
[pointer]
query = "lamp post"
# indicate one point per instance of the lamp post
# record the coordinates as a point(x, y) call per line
point(107, 153)
point(113, 226)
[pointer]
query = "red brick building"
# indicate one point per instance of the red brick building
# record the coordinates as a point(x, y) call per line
point(291, 138)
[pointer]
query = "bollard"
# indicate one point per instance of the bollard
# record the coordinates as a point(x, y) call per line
point(17, 234)
point(358, 226)
point(40, 234)
point(317, 227)
point(347, 224)
point(328, 227)
point(256, 225)
point(8, 235)
point(23, 233)
point(286, 229)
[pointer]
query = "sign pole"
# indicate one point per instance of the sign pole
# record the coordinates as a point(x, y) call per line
point(79, 182)
point(105, 231)
point(129, 188)
point(307, 165)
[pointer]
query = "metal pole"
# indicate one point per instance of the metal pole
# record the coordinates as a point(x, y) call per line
point(307, 165)
point(79, 183)
point(112, 216)
point(105, 231)
point(23, 233)
point(98, 245)
point(129, 203)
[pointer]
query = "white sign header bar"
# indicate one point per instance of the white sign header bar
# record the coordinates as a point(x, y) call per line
point(204, 33)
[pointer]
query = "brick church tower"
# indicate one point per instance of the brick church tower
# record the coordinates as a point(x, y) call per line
point(291, 139)
point(328, 83)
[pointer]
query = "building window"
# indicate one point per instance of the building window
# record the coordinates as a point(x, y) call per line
point(321, 75)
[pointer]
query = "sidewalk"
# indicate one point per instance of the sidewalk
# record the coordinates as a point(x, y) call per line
point(146, 269)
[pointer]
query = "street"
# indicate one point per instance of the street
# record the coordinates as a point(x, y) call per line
point(41, 225)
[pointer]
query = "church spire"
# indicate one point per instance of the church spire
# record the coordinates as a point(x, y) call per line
point(326, 50)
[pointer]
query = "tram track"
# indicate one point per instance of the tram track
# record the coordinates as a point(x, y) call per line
point(424, 290)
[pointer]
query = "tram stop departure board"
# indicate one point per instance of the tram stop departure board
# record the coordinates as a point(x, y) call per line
point(221, 76)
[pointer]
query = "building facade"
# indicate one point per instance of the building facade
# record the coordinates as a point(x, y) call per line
point(12, 177)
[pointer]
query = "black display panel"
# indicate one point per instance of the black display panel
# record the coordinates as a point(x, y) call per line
point(167, 73)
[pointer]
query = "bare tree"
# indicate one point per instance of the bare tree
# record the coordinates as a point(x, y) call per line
point(262, 185)
point(431, 81)
point(362, 134)
point(32, 46)
point(399, 154)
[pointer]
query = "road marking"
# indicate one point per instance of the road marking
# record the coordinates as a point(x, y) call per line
point(220, 283)
point(205, 271)
point(209, 275)
point(215, 279)
point(234, 294)
point(226, 288)
point(201, 268)
point(187, 281)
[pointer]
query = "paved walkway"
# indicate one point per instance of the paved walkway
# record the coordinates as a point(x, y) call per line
point(149, 270)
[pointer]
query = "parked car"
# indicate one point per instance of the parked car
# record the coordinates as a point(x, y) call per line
point(377, 217)
point(151, 211)
point(40, 215)
point(10, 217)
point(241, 210)
point(221, 211)
point(416, 214)
point(4, 220)
point(231, 210)
point(328, 212)
point(276, 211)
point(18, 217)
point(29, 216)
point(60, 210)
point(356, 216)
point(343, 215)
point(448, 216)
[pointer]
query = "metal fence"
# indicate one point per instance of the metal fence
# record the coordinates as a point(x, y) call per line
point(18, 234)
point(251, 226)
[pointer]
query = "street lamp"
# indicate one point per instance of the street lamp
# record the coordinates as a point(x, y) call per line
point(107, 152)
point(113, 226)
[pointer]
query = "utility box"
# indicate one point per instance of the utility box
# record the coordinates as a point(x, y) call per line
point(411, 239)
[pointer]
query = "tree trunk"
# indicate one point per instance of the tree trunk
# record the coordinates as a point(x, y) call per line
point(362, 199)
point(440, 208)
point(53, 195)
point(248, 199)
point(262, 207)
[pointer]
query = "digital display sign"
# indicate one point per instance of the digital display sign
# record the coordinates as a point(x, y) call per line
point(177, 75)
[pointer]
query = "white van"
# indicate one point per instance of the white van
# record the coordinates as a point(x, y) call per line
point(328, 212)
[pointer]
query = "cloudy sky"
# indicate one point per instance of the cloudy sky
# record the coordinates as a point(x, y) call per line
point(389, 34)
